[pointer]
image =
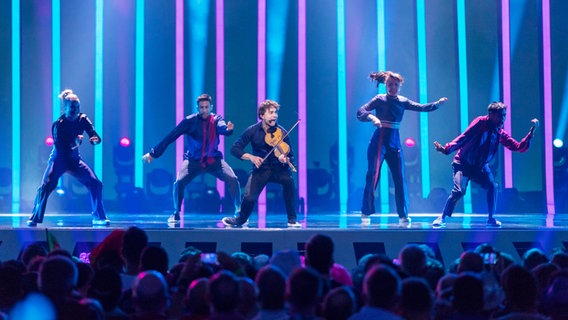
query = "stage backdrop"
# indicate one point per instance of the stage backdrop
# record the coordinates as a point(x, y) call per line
point(138, 66)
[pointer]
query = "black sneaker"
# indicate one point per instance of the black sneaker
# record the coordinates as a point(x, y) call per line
point(174, 218)
point(31, 223)
point(493, 223)
point(231, 222)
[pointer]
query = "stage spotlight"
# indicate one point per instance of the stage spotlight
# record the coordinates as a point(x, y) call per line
point(558, 143)
point(125, 142)
point(409, 142)
point(49, 141)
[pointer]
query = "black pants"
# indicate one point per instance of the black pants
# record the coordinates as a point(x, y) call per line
point(258, 180)
point(462, 176)
point(219, 168)
point(377, 152)
point(56, 166)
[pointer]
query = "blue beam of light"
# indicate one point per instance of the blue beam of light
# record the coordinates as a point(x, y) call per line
point(382, 64)
point(99, 84)
point(56, 57)
point(342, 107)
point(276, 26)
point(563, 117)
point(139, 94)
point(464, 94)
point(16, 106)
point(198, 25)
point(423, 85)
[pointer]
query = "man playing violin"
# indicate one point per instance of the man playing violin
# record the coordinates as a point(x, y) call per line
point(272, 161)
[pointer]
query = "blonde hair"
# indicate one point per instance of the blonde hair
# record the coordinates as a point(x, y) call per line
point(68, 94)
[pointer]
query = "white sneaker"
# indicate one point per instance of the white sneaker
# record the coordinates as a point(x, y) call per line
point(101, 222)
point(404, 222)
point(365, 219)
point(294, 224)
point(440, 222)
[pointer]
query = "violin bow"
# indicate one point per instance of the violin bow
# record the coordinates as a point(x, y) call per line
point(281, 139)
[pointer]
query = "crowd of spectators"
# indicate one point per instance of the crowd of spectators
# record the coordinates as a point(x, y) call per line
point(126, 278)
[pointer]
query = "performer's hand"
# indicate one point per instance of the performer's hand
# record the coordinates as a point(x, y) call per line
point(230, 126)
point(257, 161)
point(439, 147)
point(442, 100)
point(283, 158)
point(95, 140)
point(79, 139)
point(147, 158)
point(376, 121)
point(535, 125)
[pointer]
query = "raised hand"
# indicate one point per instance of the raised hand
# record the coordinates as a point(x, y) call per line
point(230, 126)
point(147, 158)
point(439, 147)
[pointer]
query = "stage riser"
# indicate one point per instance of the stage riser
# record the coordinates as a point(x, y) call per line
point(349, 244)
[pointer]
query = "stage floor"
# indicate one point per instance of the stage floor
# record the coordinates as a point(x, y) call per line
point(75, 233)
point(320, 220)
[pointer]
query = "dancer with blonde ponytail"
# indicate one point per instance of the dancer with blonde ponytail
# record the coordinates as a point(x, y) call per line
point(67, 132)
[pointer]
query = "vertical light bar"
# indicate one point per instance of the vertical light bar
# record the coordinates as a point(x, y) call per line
point(342, 106)
point(261, 90)
point(56, 57)
point(139, 94)
point(382, 63)
point(220, 74)
point(423, 89)
point(506, 62)
point(302, 108)
point(198, 14)
point(16, 104)
point(99, 84)
point(464, 94)
point(547, 87)
point(179, 80)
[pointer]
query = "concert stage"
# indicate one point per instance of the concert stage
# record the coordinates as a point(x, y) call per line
point(352, 240)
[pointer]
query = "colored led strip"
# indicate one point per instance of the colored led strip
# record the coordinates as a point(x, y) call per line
point(139, 94)
point(464, 94)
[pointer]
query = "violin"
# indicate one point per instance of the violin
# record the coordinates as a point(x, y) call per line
point(275, 138)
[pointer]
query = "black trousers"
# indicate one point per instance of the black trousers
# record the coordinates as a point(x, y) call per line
point(258, 180)
point(377, 152)
point(219, 168)
point(74, 165)
point(462, 176)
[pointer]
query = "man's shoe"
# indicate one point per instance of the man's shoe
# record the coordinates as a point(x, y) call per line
point(493, 223)
point(31, 223)
point(404, 222)
point(174, 218)
point(231, 222)
point(440, 222)
point(101, 222)
point(294, 224)
point(236, 216)
point(365, 219)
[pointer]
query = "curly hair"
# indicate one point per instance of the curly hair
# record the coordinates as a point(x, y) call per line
point(265, 105)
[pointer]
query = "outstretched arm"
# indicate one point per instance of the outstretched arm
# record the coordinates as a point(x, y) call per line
point(510, 143)
point(440, 148)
